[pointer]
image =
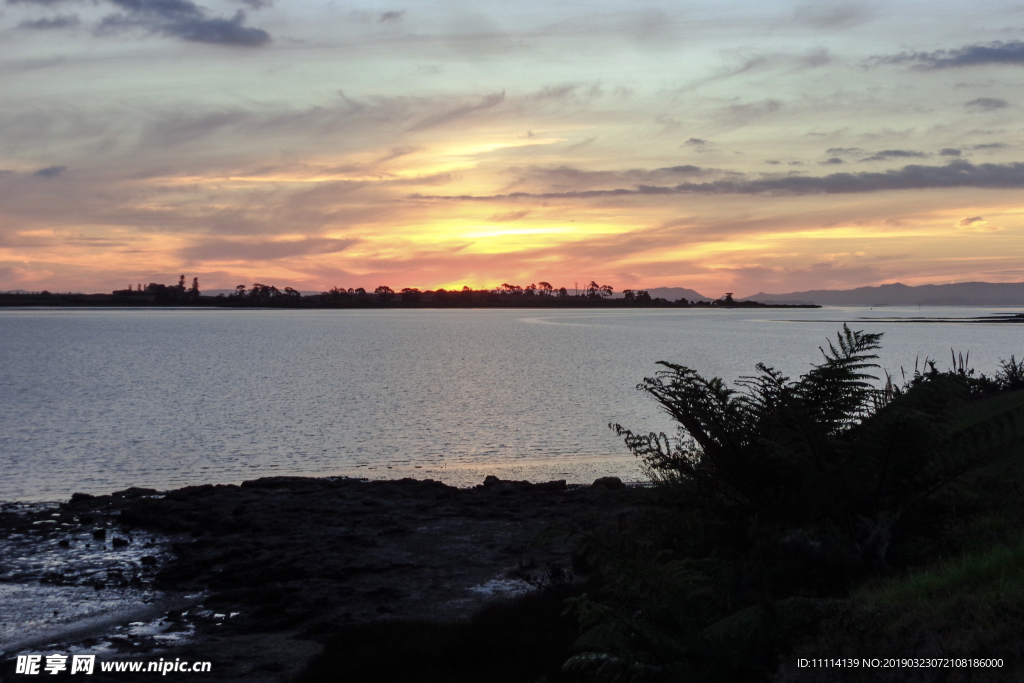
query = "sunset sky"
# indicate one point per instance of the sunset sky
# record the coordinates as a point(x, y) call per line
point(741, 146)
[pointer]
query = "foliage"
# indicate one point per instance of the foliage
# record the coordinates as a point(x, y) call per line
point(782, 495)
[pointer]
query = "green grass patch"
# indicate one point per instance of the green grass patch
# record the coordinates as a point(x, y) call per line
point(984, 578)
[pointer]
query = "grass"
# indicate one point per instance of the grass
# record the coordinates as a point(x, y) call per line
point(985, 578)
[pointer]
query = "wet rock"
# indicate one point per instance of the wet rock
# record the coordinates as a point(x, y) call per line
point(289, 552)
point(121, 542)
point(134, 492)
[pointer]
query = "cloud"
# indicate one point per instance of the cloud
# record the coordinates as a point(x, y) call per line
point(987, 104)
point(990, 145)
point(391, 16)
point(832, 161)
point(50, 171)
point(811, 59)
point(506, 217)
point(833, 15)
point(570, 179)
point(957, 173)
point(688, 169)
point(949, 152)
point(182, 19)
point(58, 22)
point(181, 127)
point(444, 117)
point(754, 110)
point(262, 250)
point(977, 224)
point(843, 151)
point(894, 154)
point(695, 142)
point(970, 55)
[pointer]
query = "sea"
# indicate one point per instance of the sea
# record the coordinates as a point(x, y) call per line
point(98, 400)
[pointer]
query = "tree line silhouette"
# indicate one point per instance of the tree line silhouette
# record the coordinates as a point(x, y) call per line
point(507, 295)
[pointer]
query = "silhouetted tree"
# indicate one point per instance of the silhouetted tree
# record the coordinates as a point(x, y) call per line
point(262, 293)
point(545, 288)
point(384, 293)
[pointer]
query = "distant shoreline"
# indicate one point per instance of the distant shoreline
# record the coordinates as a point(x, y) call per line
point(449, 300)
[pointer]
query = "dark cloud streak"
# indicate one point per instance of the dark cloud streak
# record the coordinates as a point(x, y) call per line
point(957, 173)
point(970, 55)
point(50, 171)
point(58, 22)
point(987, 104)
point(886, 154)
point(183, 19)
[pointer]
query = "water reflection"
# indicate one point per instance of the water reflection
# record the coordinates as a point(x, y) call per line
point(97, 400)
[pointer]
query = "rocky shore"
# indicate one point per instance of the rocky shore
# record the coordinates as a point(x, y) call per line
point(274, 566)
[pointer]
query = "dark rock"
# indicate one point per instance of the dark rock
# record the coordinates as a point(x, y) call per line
point(610, 483)
point(290, 552)
point(64, 543)
point(121, 542)
point(80, 497)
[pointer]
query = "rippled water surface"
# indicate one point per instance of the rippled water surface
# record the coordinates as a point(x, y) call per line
point(99, 400)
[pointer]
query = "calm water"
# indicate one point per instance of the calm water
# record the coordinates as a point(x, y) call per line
point(98, 400)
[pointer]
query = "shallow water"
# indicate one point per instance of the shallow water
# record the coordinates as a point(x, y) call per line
point(99, 400)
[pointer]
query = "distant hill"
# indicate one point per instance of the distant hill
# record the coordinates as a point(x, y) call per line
point(959, 294)
point(671, 294)
point(226, 292)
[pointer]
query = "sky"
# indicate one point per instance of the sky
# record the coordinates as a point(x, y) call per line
point(741, 146)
